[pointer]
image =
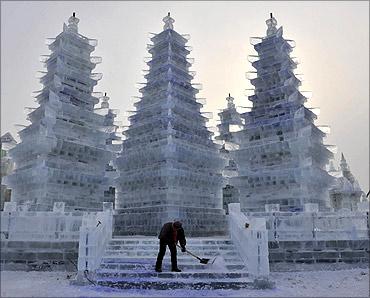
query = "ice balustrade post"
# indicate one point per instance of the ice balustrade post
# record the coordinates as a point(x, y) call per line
point(6, 219)
point(251, 239)
point(95, 233)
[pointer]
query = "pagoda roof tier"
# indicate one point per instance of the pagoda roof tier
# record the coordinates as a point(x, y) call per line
point(168, 46)
point(278, 77)
point(165, 99)
point(183, 143)
point(79, 133)
point(274, 44)
point(173, 59)
point(178, 107)
point(175, 72)
point(43, 98)
point(278, 90)
point(47, 175)
point(158, 133)
point(169, 171)
point(169, 33)
point(269, 61)
point(280, 112)
point(178, 121)
point(78, 38)
point(63, 53)
point(71, 44)
point(295, 97)
point(276, 130)
point(185, 89)
point(277, 65)
point(82, 82)
point(173, 149)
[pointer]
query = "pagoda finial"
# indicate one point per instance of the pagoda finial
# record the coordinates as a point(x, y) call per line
point(168, 22)
point(230, 101)
point(105, 103)
point(271, 25)
point(73, 23)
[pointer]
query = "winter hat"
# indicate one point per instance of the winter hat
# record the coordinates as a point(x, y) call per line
point(177, 225)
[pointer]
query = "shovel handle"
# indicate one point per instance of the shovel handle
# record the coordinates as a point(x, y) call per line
point(190, 253)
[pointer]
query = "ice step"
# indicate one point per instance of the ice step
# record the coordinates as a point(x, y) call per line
point(165, 267)
point(156, 246)
point(129, 262)
point(180, 260)
point(139, 253)
point(103, 274)
point(160, 284)
point(156, 241)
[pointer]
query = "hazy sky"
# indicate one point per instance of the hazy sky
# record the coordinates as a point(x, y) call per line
point(332, 45)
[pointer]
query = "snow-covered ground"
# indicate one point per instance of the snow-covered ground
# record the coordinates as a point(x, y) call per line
point(341, 283)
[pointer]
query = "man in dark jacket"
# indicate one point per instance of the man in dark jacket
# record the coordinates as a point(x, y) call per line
point(171, 232)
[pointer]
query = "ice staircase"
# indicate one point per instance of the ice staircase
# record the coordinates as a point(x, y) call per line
point(129, 263)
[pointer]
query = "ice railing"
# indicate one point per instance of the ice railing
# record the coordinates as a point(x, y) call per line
point(251, 239)
point(314, 225)
point(95, 233)
point(19, 224)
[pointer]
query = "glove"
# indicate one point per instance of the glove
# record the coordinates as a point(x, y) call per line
point(183, 249)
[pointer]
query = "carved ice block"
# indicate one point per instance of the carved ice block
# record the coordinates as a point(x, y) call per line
point(108, 206)
point(363, 206)
point(10, 206)
point(311, 207)
point(58, 207)
point(272, 207)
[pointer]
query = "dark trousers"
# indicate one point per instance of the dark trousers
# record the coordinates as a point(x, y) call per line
point(162, 251)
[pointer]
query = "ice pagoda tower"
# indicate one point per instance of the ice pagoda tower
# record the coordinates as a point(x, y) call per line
point(169, 167)
point(282, 159)
point(65, 152)
point(229, 117)
point(346, 192)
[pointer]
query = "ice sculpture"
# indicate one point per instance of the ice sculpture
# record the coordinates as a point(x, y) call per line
point(64, 152)
point(282, 159)
point(230, 118)
point(346, 192)
point(169, 167)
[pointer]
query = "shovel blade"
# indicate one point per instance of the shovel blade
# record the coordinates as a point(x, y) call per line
point(204, 261)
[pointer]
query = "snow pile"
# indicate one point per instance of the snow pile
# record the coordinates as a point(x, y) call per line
point(217, 265)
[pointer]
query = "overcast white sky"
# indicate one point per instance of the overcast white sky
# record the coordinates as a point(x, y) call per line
point(332, 45)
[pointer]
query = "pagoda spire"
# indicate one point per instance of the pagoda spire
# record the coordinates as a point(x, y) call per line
point(271, 25)
point(343, 163)
point(105, 101)
point(230, 101)
point(168, 22)
point(73, 23)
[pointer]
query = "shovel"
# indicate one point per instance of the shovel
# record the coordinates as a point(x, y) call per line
point(201, 260)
